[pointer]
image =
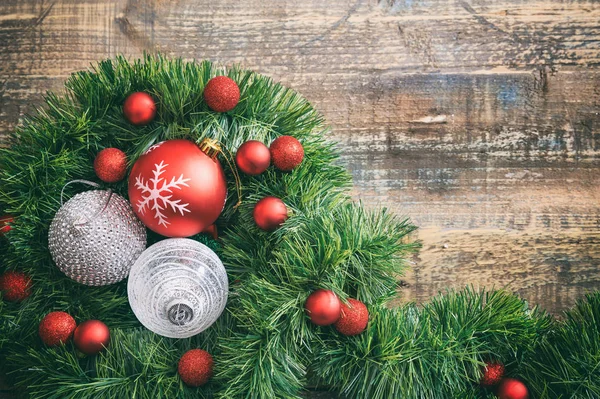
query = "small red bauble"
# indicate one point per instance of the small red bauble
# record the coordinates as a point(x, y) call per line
point(253, 157)
point(195, 367)
point(270, 213)
point(510, 388)
point(353, 318)
point(139, 108)
point(323, 307)
point(177, 190)
point(110, 165)
point(56, 328)
point(286, 153)
point(91, 336)
point(221, 94)
point(5, 222)
point(492, 374)
point(15, 286)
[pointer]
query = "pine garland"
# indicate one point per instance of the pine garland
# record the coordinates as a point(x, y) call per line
point(439, 349)
point(263, 345)
point(567, 361)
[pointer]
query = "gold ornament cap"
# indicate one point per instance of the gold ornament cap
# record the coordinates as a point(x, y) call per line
point(212, 148)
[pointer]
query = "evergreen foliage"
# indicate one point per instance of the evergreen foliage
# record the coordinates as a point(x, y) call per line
point(263, 345)
point(567, 361)
point(433, 352)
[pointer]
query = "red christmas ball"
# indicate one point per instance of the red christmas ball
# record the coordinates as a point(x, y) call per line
point(323, 307)
point(176, 189)
point(56, 328)
point(510, 388)
point(492, 374)
point(253, 157)
point(286, 153)
point(139, 108)
point(15, 286)
point(5, 222)
point(91, 337)
point(195, 367)
point(221, 94)
point(353, 318)
point(110, 165)
point(269, 213)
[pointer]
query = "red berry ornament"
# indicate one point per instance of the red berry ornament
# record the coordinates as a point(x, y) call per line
point(492, 374)
point(5, 222)
point(253, 157)
point(110, 165)
point(139, 108)
point(195, 367)
point(510, 388)
point(91, 337)
point(286, 153)
point(56, 328)
point(177, 190)
point(323, 307)
point(270, 213)
point(15, 286)
point(221, 94)
point(353, 318)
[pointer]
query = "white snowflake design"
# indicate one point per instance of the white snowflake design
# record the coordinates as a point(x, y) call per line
point(152, 148)
point(157, 199)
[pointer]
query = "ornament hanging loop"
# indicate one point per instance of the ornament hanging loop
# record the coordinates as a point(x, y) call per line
point(213, 148)
point(83, 221)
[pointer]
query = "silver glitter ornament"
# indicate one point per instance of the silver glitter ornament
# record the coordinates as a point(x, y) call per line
point(95, 238)
point(178, 288)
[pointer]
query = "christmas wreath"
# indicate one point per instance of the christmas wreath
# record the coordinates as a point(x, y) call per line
point(250, 276)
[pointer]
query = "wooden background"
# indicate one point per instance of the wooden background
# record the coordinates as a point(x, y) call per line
point(479, 119)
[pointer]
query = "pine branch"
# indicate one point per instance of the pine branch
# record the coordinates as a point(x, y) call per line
point(138, 364)
point(436, 352)
point(567, 360)
point(259, 366)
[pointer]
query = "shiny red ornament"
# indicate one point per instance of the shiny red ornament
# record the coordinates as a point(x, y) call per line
point(353, 318)
point(286, 153)
point(510, 388)
point(5, 222)
point(91, 337)
point(110, 165)
point(56, 328)
point(492, 374)
point(270, 213)
point(323, 307)
point(176, 189)
point(195, 367)
point(221, 94)
point(253, 157)
point(139, 108)
point(15, 286)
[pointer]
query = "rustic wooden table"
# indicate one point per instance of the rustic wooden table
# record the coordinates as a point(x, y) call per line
point(479, 119)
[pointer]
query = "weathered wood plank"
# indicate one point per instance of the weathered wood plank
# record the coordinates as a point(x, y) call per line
point(550, 268)
point(312, 36)
point(478, 119)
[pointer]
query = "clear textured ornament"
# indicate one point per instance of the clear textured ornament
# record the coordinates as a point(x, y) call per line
point(178, 288)
point(95, 238)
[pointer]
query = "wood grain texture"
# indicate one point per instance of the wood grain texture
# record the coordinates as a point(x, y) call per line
point(478, 119)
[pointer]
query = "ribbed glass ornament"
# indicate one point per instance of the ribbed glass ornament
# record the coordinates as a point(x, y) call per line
point(95, 238)
point(178, 288)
